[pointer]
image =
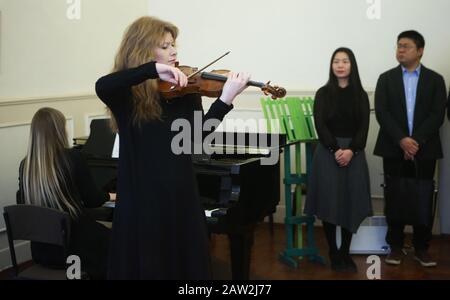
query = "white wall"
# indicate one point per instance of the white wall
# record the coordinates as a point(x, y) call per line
point(290, 41)
point(44, 53)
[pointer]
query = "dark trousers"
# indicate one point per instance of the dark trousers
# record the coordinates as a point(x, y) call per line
point(401, 168)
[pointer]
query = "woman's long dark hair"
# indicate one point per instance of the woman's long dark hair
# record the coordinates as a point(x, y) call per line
point(354, 82)
point(46, 172)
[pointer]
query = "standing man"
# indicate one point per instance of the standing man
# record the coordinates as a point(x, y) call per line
point(410, 108)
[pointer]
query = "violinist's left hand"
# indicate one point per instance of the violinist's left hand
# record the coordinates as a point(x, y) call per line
point(235, 84)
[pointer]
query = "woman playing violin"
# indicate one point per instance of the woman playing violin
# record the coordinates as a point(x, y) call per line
point(159, 229)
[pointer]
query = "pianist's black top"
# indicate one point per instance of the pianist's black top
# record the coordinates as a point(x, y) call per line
point(89, 239)
point(342, 116)
point(159, 228)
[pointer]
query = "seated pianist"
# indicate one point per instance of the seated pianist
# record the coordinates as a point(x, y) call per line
point(55, 176)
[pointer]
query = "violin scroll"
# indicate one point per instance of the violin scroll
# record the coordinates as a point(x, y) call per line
point(275, 92)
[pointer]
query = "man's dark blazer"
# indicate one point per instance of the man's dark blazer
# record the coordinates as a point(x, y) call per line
point(390, 109)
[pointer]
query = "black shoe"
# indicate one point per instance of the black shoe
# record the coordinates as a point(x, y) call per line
point(336, 262)
point(395, 257)
point(349, 264)
point(424, 258)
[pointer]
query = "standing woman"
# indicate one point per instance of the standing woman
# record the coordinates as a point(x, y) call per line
point(56, 176)
point(159, 229)
point(339, 187)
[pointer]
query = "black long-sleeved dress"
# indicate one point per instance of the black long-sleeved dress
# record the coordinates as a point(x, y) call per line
point(341, 119)
point(159, 228)
point(340, 195)
point(88, 239)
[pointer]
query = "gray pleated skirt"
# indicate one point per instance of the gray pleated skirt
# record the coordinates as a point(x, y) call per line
point(339, 195)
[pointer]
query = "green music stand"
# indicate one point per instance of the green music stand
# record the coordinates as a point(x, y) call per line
point(293, 116)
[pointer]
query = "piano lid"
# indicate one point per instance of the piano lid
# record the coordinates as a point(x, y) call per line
point(103, 143)
point(101, 139)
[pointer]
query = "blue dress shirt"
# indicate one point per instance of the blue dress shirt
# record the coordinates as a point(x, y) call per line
point(410, 81)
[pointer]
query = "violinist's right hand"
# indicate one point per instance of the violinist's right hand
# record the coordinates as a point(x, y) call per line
point(235, 84)
point(171, 74)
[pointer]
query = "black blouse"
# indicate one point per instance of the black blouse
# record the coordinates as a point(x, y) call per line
point(341, 116)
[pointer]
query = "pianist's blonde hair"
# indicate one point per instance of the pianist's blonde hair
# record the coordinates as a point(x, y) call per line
point(46, 175)
point(138, 44)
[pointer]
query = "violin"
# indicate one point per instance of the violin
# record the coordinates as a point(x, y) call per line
point(210, 84)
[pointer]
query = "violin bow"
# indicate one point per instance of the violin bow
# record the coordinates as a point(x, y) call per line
point(195, 73)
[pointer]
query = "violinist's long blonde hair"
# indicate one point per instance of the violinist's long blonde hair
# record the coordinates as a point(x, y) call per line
point(46, 175)
point(137, 48)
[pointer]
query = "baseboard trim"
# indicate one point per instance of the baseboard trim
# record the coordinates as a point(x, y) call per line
point(23, 254)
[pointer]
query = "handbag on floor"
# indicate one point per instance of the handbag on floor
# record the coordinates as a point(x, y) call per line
point(409, 200)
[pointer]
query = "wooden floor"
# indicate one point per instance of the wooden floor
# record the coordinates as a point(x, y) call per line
point(265, 264)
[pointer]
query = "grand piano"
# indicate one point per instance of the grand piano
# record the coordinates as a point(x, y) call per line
point(237, 186)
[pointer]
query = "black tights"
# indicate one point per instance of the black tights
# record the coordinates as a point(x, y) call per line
point(330, 234)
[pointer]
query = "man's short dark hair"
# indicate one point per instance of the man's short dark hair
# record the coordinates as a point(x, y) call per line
point(413, 35)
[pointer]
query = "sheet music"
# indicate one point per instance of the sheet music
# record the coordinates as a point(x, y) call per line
point(115, 151)
point(110, 204)
point(208, 213)
point(241, 149)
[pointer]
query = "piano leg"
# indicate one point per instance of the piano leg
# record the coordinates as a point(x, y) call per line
point(271, 224)
point(240, 249)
